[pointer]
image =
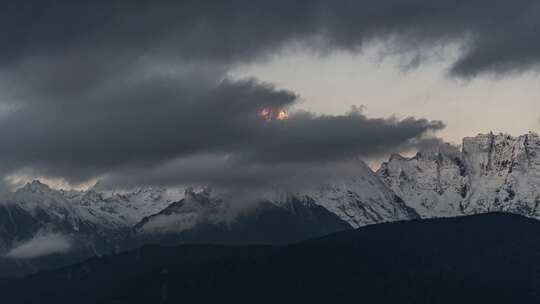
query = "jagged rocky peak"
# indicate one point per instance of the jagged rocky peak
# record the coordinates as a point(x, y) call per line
point(431, 182)
point(200, 196)
point(432, 161)
point(35, 186)
point(152, 192)
point(439, 153)
point(504, 173)
point(37, 195)
point(501, 153)
point(492, 172)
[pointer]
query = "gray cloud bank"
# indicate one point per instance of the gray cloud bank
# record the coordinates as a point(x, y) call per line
point(125, 89)
point(501, 35)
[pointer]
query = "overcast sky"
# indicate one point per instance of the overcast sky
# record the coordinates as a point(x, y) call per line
point(171, 92)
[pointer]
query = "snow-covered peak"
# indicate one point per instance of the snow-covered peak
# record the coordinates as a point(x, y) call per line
point(145, 193)
point(142, 202)
point(360, 200)
point(36, 195)
point(35, 187)
point(36, 190)
point(197, 207)
point(431, 182)
point(120, 210)
point(148, 194)
point(499, 153)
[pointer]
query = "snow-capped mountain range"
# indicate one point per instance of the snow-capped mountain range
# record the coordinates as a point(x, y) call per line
point(489, 173)
point(358, 201)
point(80, 216)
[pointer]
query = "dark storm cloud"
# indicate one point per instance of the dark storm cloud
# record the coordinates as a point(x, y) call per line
point(306, 137)
point(97, 88)
point(145, 122)
point(499, 35)
point(300, 152)
point(224, 172)
point(150, 121)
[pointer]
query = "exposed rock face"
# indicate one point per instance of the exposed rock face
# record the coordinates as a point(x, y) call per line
point(491, 173)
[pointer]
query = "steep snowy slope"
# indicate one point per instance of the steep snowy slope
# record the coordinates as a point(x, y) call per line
point(361, 200)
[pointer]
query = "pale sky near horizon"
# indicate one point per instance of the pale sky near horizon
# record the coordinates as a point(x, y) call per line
point(331, 84)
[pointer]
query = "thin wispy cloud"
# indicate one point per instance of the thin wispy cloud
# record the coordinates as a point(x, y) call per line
point(42, 244)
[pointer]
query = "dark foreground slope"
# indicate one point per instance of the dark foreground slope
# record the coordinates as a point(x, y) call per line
point(290, 222)
point(491, 258)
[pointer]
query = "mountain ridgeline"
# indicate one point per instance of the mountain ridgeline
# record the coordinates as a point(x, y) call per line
point(42, 228)
point(491, 173)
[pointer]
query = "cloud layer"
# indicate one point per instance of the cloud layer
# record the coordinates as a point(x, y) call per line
point(117, 89)
point(499, 35)
point(40, 245)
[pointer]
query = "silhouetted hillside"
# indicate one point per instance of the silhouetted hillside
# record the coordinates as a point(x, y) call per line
point(491, 258)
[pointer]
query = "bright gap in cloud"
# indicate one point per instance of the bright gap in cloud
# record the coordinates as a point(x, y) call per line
point(405, 85)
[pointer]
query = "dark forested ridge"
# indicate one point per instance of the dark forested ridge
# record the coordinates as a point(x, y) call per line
point(292, 222)
point(491, 258)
